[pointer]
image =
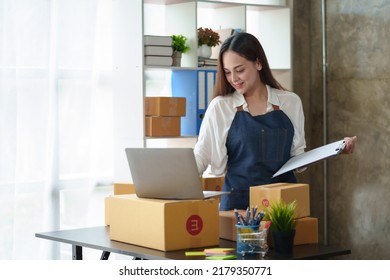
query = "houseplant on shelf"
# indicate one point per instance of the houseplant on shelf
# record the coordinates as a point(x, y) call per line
point(282, 227)
point(179, 46)
point(207, 38)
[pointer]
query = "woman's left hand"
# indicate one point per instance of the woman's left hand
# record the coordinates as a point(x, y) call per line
point(350, 143)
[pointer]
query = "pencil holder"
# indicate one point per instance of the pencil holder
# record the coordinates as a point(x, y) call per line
point(251, 240)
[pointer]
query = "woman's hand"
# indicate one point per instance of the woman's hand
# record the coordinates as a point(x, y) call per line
point(350, 143)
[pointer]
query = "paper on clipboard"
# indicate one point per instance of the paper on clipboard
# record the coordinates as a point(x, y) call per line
point(312, 156)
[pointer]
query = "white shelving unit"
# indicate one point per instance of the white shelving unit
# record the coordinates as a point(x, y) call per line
point(268, 20)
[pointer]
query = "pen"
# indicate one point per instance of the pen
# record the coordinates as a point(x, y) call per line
point(237, 217)
point(254, 210)
point(243, 222)
point(247, 214)
point(259, 217)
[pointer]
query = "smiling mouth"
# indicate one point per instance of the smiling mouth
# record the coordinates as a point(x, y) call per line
point(237, 86)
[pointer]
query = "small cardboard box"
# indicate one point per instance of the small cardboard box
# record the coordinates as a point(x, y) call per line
point(227, 224)
point(306, 229)
point(213, 183)
point(123, 188)
point(162, 126)
point(165, 106)
point(164, 225)
point(107, 210)
point(306, 232)
point(264, 195)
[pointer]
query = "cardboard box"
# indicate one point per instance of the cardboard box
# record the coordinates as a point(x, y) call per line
point(123, 188)
point(306, 232)
point(213, 183)
point(164, 224)
point(107, 211)
point(264, 195)
point(227, 224)
point(119, 188)
point(165, 106)
point(306, 229)
point(162, 126)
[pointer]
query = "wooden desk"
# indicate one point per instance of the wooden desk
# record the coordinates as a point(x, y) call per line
point(98, 238)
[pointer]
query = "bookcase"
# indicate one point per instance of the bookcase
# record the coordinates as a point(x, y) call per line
point(268, 20)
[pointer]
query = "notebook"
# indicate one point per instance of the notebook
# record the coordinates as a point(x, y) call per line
point(166, 173)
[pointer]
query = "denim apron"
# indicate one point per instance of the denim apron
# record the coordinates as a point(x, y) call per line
point(257, 147)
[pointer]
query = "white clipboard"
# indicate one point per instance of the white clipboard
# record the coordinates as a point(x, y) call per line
point(312, 156)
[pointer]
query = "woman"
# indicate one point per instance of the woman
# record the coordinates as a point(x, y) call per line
point(252, 126)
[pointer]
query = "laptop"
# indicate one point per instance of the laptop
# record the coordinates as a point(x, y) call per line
point(166, 173)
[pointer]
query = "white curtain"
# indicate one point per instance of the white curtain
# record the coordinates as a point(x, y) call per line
point(56, 145)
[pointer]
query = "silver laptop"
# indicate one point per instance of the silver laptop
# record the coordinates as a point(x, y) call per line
point(166, 173)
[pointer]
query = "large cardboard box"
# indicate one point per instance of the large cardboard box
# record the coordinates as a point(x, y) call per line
point(213, 183)
point(306, 229)
point(119, 188)
point(264, 195)
point(164, 224)
point(162, 126)
point(165, 106)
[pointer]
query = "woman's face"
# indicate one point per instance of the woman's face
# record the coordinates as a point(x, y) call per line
point(241, 73)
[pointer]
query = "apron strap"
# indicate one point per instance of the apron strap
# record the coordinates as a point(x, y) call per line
point(275, 107)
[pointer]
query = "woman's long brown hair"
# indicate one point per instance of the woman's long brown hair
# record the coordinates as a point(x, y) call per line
point(247, 46)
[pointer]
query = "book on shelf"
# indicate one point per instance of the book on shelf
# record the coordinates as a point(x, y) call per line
point(202, 62)
point(158, 50)
point(156, 40)
point(154, 60)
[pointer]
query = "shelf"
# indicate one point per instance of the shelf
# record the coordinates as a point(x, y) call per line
point(221, 2)
point(169, 68)
point(268, 20)
point(171, 142)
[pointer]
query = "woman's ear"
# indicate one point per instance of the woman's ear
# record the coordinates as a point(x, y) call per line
point(258, 65)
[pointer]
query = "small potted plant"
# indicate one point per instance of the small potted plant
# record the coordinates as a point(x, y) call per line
point(207, 38)
point(179, 46)
point(282, 217)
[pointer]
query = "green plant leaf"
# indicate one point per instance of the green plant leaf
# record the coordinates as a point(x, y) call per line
point(179, 43)
point(281, 215)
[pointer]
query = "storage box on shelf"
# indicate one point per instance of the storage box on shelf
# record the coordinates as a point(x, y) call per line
point(162, 126)
point(163, 115)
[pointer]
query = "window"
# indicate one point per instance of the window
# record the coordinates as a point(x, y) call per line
point(56, 124)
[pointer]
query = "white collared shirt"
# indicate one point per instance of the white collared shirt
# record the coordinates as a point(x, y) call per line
point(210, 148)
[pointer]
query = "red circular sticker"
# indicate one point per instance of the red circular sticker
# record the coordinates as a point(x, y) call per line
point(194, 225)
point(265, 202)
point(218, 188)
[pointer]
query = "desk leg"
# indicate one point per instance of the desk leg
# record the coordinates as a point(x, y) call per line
point(105, 255)
point(77, 252)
